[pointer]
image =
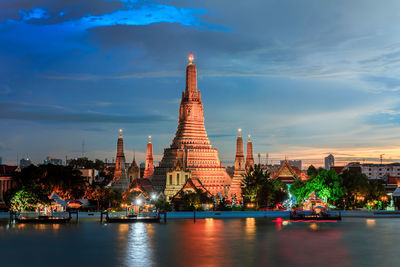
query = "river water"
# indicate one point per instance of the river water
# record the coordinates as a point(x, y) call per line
point(206, 242)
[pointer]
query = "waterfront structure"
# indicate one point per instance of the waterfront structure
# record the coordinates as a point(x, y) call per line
point(235, 190)
point(294, 163)
point(120, 181)
point(133, 171)
point(176, 179)
point(249, 155)
point(25, 162)
point(329, 162)
point(191, 145)
point(149, 167)
point(192, 185)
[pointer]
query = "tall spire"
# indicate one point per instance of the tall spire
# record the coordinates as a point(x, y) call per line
point(235, 191)
point(191, 146)
point(120, 181)
point(149, 168)
point(239, 159)
point(249, 156)
point(191, 79)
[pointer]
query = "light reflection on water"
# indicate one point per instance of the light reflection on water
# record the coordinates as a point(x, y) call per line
point(207, 242)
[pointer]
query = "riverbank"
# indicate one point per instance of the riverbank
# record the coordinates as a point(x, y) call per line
point(243, 214)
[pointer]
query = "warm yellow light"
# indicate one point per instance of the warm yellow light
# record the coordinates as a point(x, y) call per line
point(191, 58)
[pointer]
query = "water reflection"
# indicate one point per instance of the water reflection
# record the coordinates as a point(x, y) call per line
point(370, 222)
point(250, 227)
point(135, 244)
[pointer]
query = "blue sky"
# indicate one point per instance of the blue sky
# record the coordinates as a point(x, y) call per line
point(304, 78)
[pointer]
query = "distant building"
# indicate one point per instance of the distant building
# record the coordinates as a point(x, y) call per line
point(329, 162)
point(374, 171)
point(50, 160)
point(25, 162)
point(89, 174)
point(120, 181)
point(296, 163)
point(1, 160)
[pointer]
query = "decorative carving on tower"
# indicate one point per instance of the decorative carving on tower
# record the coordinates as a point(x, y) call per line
point(149, 168)
point(249, 156)
point(120, 180)
point(191, 145)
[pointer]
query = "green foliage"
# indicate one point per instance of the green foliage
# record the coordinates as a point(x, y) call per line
point(27, 199)
point(162, 204)
point(312, 171)
point(258, 188)
point(194, 200)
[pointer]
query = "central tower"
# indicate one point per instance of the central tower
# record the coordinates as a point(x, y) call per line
point(191, 148)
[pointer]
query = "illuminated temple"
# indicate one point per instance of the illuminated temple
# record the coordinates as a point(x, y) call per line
point(191, 148)
point(120, 181)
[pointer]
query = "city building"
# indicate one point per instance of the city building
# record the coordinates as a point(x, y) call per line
point(296, 163)
point(235, 190)
point(25, 162)
point(6, 181)
point(149, 165)
point(90, 175)
point(329, 162)
point(176, 178)
point(50, 160)
point(191, 144)
point(120, 181)
point(1, 161)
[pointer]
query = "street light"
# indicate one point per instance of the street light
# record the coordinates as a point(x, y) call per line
point(153, 196)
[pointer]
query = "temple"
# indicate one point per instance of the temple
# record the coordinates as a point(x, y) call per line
point(191, 147)
point(249, 155)
point(235, 190)
point(149, 169)
point(120, 181)
point(133, 171)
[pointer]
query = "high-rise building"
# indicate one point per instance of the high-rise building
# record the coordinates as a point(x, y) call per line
point(149, 167)
point(329, 161)
point(191, 147)
point(1, 161)
point(120, 181)
point(235, 190)
point(25, 162)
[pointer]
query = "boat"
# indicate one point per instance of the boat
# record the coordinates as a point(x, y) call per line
point(312, 216)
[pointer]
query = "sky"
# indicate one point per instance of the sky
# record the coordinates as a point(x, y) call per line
point(304, 78)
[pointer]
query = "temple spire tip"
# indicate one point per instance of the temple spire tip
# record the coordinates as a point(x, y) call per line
point(191, 57)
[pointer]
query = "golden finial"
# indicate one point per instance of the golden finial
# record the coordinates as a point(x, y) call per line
point(240, 131)
point(149, 138)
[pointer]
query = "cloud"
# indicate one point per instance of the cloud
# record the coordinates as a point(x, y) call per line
point(26, 112)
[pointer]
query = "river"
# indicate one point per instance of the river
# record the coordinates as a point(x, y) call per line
point(205, 242)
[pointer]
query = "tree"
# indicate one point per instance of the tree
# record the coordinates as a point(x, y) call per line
point(257, 187)
point(356, 189)
point(28, 200)
point(298, 189)
point(192, 200)
point(312, 171)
